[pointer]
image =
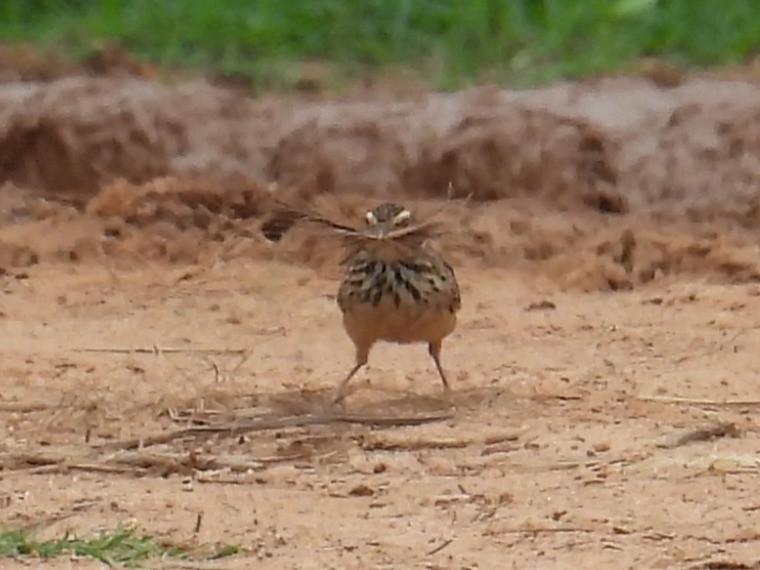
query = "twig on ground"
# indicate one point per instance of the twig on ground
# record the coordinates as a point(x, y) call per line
point(159, 350)
point(381, 444)
point(697, 401)
point(539, 530)
point(268, 423)
point(441, 546)
point(722, 429)
point(24, 408)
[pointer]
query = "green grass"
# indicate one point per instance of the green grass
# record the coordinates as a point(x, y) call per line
point(449, 43)
point(121, 547)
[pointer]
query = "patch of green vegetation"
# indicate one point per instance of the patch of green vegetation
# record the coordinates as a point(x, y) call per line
point(449, 43)
point(121, 547)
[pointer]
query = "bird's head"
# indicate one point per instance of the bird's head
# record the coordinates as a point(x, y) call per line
point(386, 218)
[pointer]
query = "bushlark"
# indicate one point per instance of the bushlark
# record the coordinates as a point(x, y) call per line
point(396, 287)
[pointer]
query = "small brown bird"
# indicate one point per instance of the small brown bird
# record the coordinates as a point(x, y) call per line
point(396, 287)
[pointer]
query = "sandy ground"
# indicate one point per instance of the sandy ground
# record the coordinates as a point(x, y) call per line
point(165, 364)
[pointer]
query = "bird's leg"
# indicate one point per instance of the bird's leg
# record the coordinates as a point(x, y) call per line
point(434, 348)
point(362, 355)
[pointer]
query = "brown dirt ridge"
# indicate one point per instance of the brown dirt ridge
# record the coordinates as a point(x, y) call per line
point(577, 171)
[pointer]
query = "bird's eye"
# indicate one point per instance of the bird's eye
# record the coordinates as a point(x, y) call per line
point(402, 217)
point(371, 218)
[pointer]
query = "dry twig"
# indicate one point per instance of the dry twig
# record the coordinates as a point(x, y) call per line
point(697, 401)
point(157, 350)
point(267, 423)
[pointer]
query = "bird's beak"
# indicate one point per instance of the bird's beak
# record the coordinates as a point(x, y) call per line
point(379, 231)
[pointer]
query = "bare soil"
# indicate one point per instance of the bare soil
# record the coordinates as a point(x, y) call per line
point(166, 364)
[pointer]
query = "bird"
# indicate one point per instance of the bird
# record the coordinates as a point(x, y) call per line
point(396, 287)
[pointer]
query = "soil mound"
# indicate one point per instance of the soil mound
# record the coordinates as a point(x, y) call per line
point(599, 185)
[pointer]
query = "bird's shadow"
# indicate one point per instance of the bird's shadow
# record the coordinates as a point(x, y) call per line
point(376, 402)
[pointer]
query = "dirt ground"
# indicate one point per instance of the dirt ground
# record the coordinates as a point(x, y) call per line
point(166, 361)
